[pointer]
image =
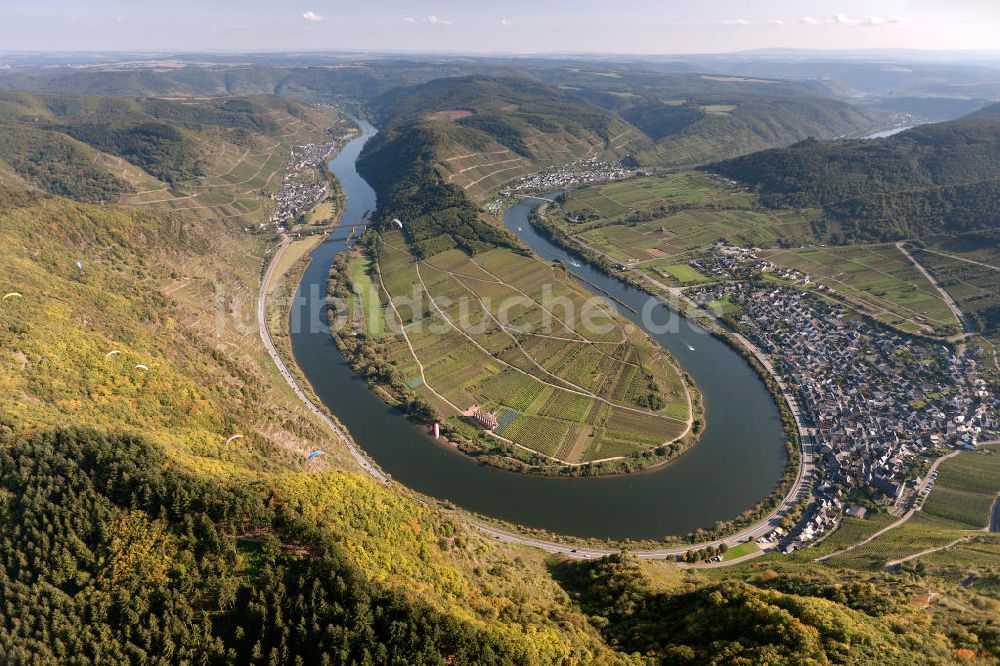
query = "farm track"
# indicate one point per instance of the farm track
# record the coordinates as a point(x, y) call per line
point(963, 259)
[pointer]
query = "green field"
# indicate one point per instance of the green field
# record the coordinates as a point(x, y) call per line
point(563, 388)
point(741, 550)
point(684, 273)
point(367, 296)
point(879, 278)
point(661, 221)
point(965, 490)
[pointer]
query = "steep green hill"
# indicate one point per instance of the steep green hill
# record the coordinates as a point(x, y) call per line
point(448, 143)
point(170, 140)
point(933, 178)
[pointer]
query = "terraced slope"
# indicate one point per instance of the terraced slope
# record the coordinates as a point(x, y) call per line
point(194, 153)
point(482, 132)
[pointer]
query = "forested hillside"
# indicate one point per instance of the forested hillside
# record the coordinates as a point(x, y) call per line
point(939, 178)
point(706, 128)
point(447, 143)
point(169, 140)
point(143, 531)
point(133, 560)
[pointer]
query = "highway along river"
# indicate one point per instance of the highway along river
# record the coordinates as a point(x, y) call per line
point(737, 462)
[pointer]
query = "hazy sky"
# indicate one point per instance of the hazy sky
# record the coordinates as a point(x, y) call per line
point(624, 26)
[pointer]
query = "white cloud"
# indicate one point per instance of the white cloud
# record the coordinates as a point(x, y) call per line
point(409, 19)
point(881, 20)
point(809, 20)
point(434, 20)
point(312, 16)
point(843, 19)
point(777, 22)
point(504, 22)
point(738, 21)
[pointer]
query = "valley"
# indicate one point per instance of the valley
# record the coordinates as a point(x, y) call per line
point(686, 415)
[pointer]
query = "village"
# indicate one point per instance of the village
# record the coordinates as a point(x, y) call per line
point(878, 404)
point(582, 171)
point(301, 185)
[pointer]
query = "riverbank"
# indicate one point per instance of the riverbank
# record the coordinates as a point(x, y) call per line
point(791, 495)
point(373, 357)
point(738, 461)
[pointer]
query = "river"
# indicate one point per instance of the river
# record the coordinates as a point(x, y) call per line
point(738, 461)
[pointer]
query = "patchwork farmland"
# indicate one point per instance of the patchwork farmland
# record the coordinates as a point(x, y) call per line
point(567, 378)
point(666, 225)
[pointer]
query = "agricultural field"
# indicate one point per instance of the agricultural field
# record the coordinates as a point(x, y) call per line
point(877, 278)
point(509, 334)
point(972, 277)
point(366, 297)
point(659, 222)
point(966, 487)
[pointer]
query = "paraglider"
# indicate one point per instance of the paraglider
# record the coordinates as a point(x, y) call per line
point(12, 294)
point(141, 367)
point(79, 264)
point(315, 454)
point(397, 222)
point(233, 438)
point(113, 352)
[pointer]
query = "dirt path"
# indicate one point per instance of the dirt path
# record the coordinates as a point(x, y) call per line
point(958, 258)
point(420, 366)
point(892, 564)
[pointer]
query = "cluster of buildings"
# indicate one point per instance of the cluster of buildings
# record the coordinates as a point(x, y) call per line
point(586, 170)
point(875, 399)
point(301, 187)
point(823, 517)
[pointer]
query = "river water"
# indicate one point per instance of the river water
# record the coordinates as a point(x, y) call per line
point(738, 461)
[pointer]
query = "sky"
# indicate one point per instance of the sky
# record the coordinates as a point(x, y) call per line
point(511, 26)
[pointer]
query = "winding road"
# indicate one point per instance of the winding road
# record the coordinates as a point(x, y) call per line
point(265, 337)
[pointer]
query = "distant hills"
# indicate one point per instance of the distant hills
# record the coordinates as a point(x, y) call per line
point(935, 178)
point(449, 143)
point(470, 135)
point(94, 148)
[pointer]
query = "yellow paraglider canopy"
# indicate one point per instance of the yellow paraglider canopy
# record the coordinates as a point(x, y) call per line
point(12, 294)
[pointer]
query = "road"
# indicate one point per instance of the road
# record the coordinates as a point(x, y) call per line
point(265, 337)
point(892, 564)
point(958, 258)
point(906, 516)
point(948, 300)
